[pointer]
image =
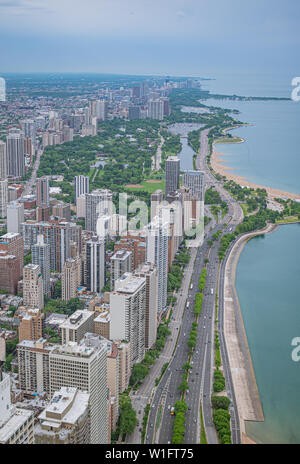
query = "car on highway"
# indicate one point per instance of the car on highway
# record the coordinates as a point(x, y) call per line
point(151, 425)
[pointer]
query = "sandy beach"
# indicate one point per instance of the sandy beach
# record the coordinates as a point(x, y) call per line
point(218, 163)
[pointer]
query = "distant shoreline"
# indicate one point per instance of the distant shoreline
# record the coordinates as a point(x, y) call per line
point(218, 164)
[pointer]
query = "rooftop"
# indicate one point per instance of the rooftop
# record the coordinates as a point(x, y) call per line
point(77, 318)
point(16, 420)
point(128, 283)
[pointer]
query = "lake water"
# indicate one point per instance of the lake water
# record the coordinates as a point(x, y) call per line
point(270, 155)
point(187, 153)
point(268, 271)
point(268, 289)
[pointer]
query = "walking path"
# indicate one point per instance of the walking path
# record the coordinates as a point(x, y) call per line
point(242, 371)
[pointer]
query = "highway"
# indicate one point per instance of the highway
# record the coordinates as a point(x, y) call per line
point(160, 423)
point(163, 398)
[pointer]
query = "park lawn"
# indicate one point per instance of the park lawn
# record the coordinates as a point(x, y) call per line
point(288, 220)
point(244, 207)
point(149, 187)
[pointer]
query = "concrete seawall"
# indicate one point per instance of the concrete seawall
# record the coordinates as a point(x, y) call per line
point(242, 371)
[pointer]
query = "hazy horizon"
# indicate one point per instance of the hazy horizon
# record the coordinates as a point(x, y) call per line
point(148, 37)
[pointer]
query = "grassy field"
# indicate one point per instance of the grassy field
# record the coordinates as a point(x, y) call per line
point(148, 187)
point(230, 140)
point(288, 220)
point(244, 207)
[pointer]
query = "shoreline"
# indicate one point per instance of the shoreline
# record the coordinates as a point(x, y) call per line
point(218, 163)
point(243, 374)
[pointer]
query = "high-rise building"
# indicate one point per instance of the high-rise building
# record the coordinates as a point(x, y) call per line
point(127, 314)
point(172, 174)
point(16, 424)
point(42, 191)
point(80, 206)
point(98, 203)
point(33, 365)
point(3, 197)
point(29, 129)
point(194, 180)
point(13, 244)
point(102, 110)
point(156, 109)
point(62, 210)
point(120, 263)
point(94, 268)
point(81, 186)
point(41, 256)
point(9, 272)
point(157, 253)
point(15, 153)
point(136, 243)
point(124, 364)
point(65, 420)
point(71, 278)
point(28, 147)
point(57, 234)
point(3, 160)
point(15, 217)
point(31, 325)
point(33, 289)
point(156, 198)
point(149, 272)
point(84, 366)
point(76, 326)
point(43, 213)
point(134, 112)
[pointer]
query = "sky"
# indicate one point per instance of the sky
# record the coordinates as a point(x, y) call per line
point(176, 37)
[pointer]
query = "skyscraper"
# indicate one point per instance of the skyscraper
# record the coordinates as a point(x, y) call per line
point(76, 326)
point(33, 290)
point(97, 203)
point(42, 191)
point(120, 263)
point(149, 272)
point(156, 109)
point(84, 366)
point(65, 420)
point(157, 253)
point(29, 130)
point(15, 216)
point(194, 180)
point(81, 185)
point(3, 160)
point(3, 197)
point(102, 109)
point(127, 314)
point(15, 153)
point(41, 256)
point(172, 174)
point(16, 424)
point(71, 278)
point(13, 244)
point(95, 264)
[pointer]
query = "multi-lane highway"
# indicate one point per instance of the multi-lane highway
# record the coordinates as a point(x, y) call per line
point(160, 423)
point(163, 398)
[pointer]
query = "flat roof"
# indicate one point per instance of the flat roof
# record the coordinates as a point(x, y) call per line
point(18, 418)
